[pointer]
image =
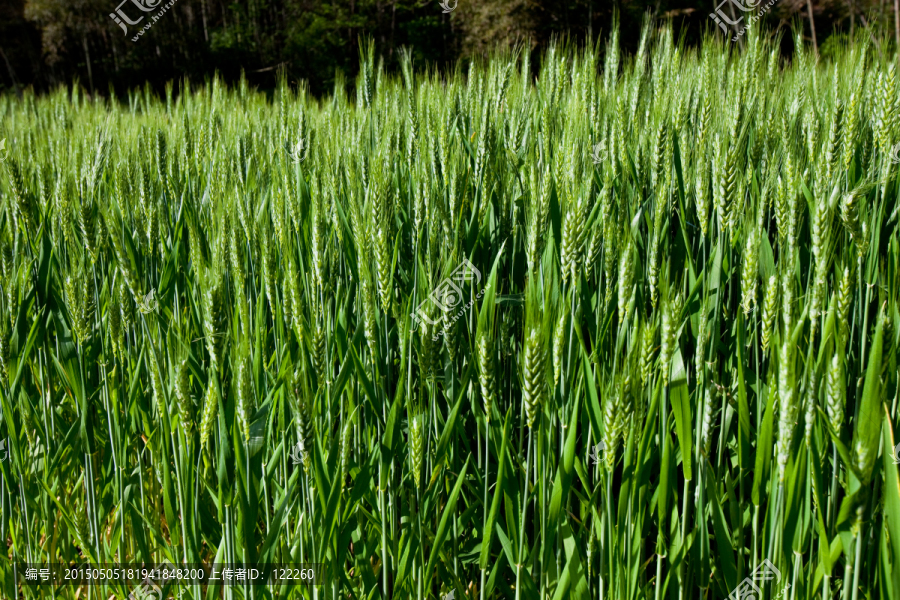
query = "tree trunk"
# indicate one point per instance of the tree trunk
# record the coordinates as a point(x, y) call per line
point(12, 74)
point(393, 23)
point(203, 14)
point(812, 26)
point(897, 21)
point(733, 18)
point(380, 10)
point(87, 56)
point(590, 20)
point(350, 29)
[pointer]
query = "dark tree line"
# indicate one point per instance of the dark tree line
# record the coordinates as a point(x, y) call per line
point(44, 43)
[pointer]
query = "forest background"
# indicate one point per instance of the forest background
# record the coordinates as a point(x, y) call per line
point(45, 43)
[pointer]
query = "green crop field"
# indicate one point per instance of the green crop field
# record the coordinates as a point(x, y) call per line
point(583, 324)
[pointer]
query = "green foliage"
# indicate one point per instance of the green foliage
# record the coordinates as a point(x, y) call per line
point(618, 332)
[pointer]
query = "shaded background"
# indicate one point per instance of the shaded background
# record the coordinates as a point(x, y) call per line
point(44, 43)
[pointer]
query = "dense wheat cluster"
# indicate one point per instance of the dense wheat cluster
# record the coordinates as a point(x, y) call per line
point(624, 329)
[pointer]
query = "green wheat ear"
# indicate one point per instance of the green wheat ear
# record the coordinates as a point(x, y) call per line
point(416, 447)
point(5, 365)
point(244, 405)
point(533, 375)
point(210, 409)
point(486, 369)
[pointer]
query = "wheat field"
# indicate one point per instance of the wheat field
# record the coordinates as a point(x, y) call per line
point(581, 324)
